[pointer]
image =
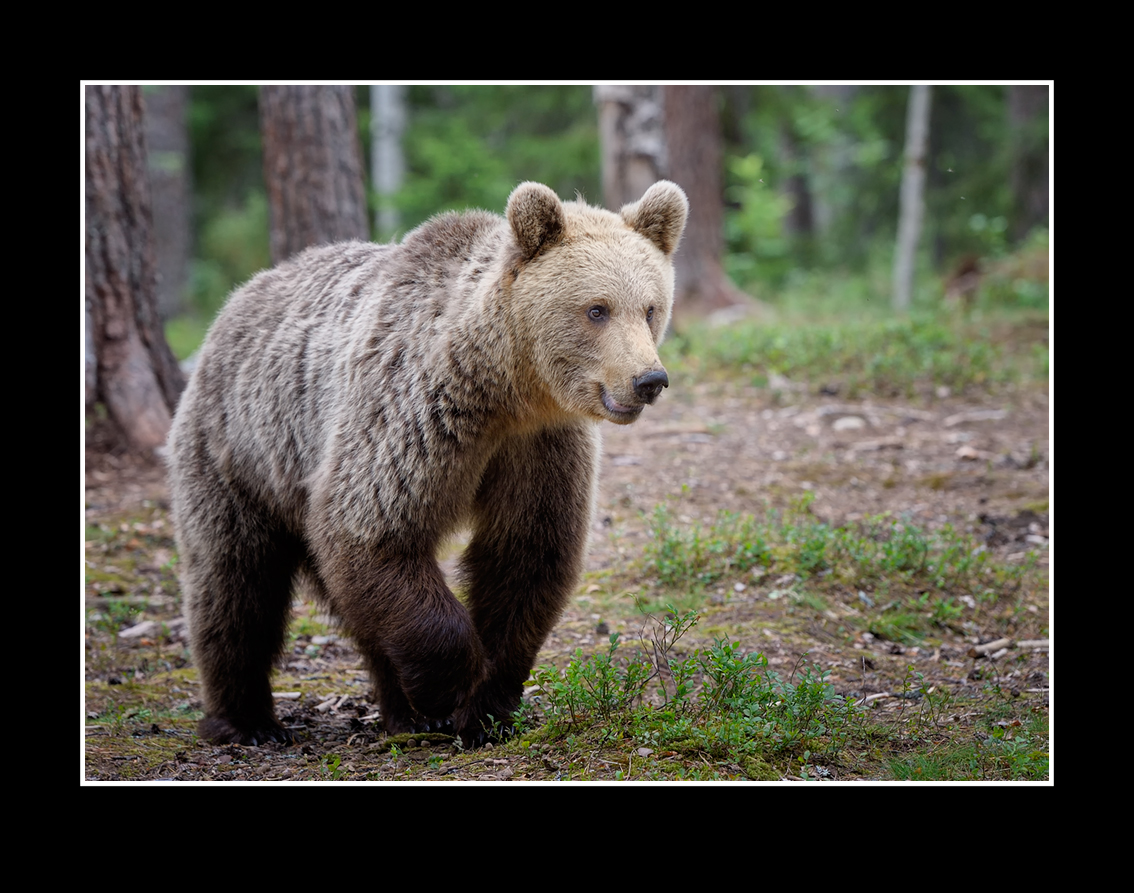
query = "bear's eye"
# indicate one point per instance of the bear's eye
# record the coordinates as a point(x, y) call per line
point(650, 315)
point(597, 313)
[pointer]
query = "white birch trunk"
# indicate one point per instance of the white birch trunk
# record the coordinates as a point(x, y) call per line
point(632, 132)
point(912, 196)
point(387, 162)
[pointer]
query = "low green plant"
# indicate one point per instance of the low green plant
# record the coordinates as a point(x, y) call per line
point(720, 702)
point(896, 625)
point(330, 766)
point(113, 717)
point(114, 615)
point(1007, 742)
point(691, 557)
point(605, 684)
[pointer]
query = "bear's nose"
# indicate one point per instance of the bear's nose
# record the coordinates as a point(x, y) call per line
point(648, 386)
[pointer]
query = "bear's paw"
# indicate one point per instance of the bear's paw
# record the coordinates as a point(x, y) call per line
point(222, 731)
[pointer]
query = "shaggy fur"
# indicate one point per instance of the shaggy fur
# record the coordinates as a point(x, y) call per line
point(358, 404)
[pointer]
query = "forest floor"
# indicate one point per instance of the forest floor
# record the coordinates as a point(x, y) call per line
point(973, 465)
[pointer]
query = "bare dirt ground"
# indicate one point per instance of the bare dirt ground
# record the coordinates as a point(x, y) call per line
point(979, 463)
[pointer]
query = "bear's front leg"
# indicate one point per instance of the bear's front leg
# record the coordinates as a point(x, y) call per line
point(420, 644)
point(532, 523)
point(236, 565)
point(237, 593)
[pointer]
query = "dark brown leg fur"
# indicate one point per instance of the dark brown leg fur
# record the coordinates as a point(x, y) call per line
point(398, 715)
point(419, 642)
point(236, 573)
point(524, 562)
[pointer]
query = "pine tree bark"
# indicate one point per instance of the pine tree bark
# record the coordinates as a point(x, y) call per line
point(694, 146)
point(1028, 121)
point(312, 167)
point(130, 368)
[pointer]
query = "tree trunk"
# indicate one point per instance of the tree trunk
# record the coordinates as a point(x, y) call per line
point(130, 368)
point(632, 133)
point(387, 160)
point(912, 197)
point(167, 139)
point(1028, 119)
point(312, 167)
point(800, 221)
point(693, 142)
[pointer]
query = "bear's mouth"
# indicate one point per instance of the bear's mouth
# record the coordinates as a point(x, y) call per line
point(621, 413)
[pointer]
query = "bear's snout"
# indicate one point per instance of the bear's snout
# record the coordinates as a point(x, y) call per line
point(648, 386)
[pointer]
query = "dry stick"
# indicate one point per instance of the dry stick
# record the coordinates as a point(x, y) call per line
point(989, 647)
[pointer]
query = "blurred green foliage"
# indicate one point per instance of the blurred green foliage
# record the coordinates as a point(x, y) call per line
point(230, 207)
point(468, 146)
point(754, 228)
point(846, 144)
point(465, 147)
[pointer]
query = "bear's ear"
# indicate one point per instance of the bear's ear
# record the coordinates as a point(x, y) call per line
point(659, 215)
point(537, 218)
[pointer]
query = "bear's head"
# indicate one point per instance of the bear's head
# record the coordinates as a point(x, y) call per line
point(593, 292)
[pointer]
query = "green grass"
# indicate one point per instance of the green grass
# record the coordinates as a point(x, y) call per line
point(892, 357)
point(997, 757)
point(910, 581)
point(836, 331)
point(1007, 742)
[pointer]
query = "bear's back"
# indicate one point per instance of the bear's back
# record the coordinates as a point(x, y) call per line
point(292, 344)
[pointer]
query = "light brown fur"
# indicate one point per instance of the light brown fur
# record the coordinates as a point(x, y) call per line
point(356, 405)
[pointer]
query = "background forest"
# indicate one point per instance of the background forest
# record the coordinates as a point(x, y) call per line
point(811, 180)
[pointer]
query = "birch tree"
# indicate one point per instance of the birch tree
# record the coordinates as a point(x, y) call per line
point(912, 207)
point(632, 134)
point(387, 160)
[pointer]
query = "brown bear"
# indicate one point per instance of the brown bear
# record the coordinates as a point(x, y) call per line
point(356, 405)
